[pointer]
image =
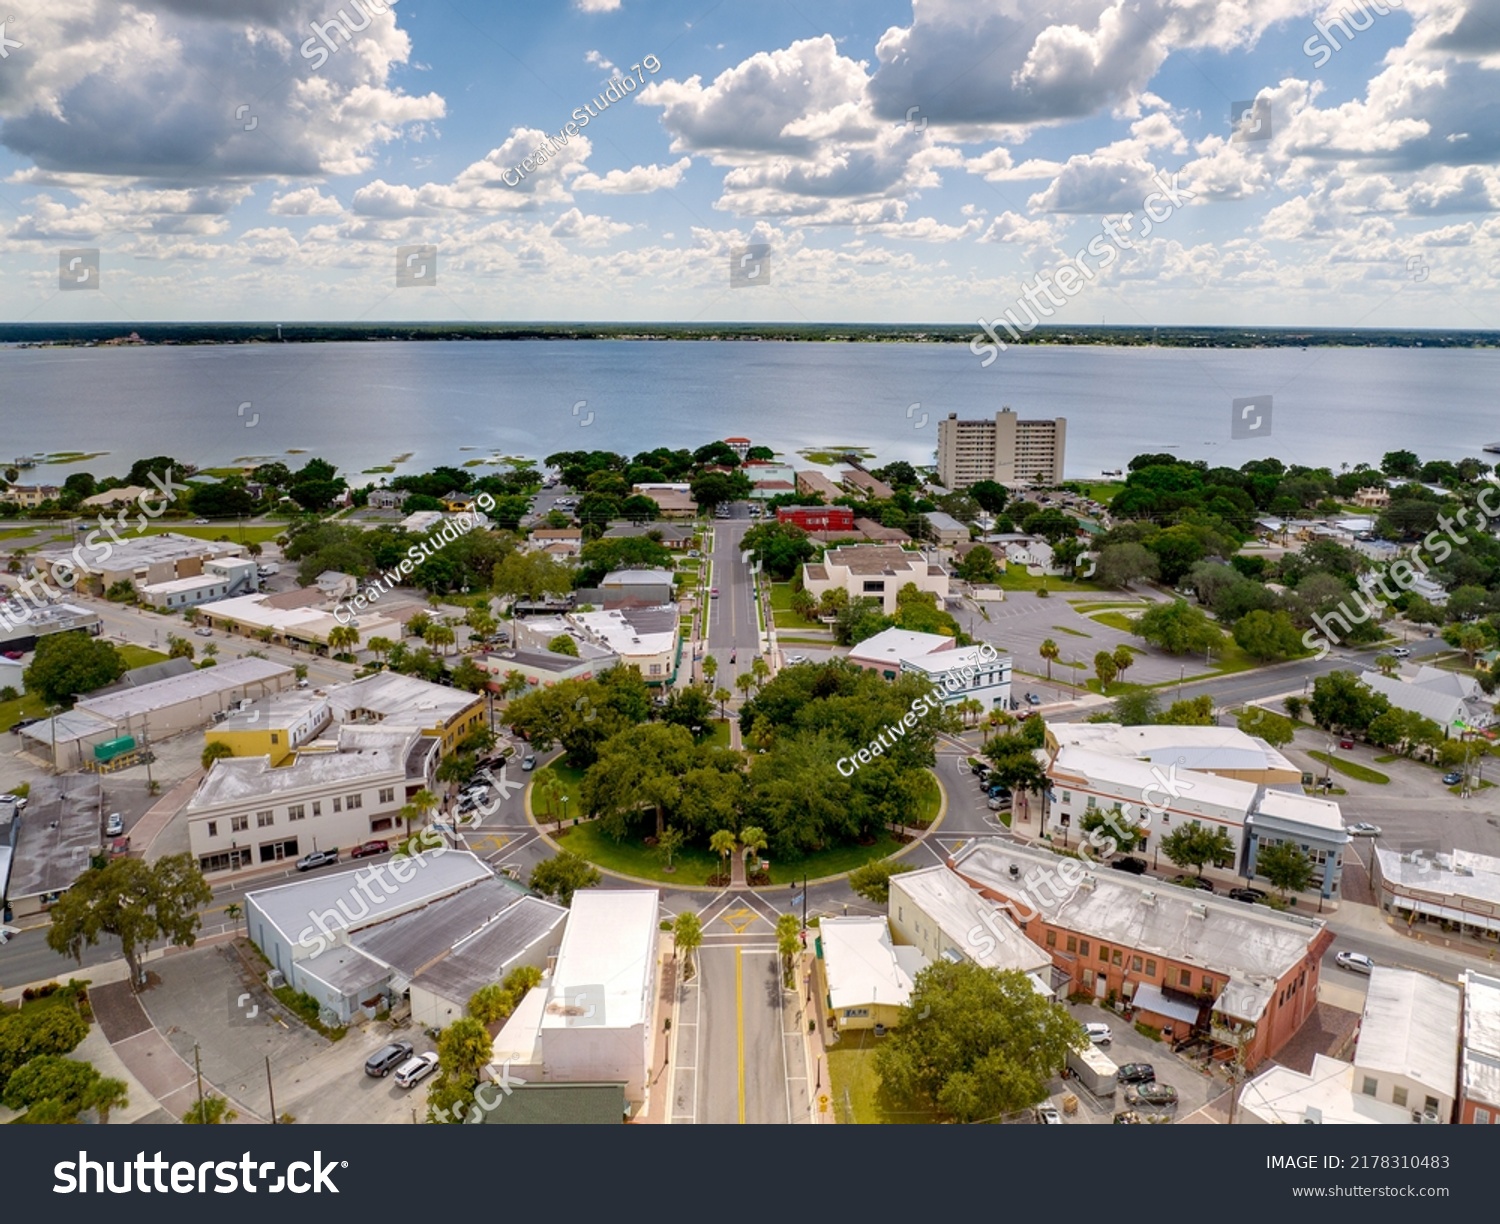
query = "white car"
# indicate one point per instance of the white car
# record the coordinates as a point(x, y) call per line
point(1355, 962)
point(204, 631)
point(412, 1072)
point(1047, 1115)
point(115, 825)
point(793, 660)
point(1364, 828)
point(1401, 652)
point(1099, 1034)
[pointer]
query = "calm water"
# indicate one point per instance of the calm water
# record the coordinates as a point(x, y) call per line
point(361, 405)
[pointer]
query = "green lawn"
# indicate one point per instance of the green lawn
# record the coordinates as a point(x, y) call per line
point(1091, 605)
point(1017, 579)
point(632, 857)
point(851, 1070)
point(1103, 493)
point(139, 656)
point(1350, 769)
point(781, 608)
point(1115, 620)
point(30, 705)
point(238, 535)
point(1072, 632)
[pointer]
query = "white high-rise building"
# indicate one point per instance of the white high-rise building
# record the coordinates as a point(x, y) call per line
point(1007, 449)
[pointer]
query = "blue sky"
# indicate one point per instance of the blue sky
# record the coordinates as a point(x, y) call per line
point(924, 161)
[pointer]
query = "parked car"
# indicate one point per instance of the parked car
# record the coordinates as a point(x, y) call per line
point(412, 1072)
point(997, 803)
point(529, 763)
point(1251, 895)
point(204, 631)
point(713, 592)
point(1133, 865)
point(115, 825)
point(388, 1058)
point(318, 858)
point(1136, 1073)
point(365, 849)
point(1355, 962)
point(979, 768)
point(16, 801)
point(1364, 828)
point(1046, 1114)
point(1033, 700)
point(1452, 778)
point(793, 660)
point(1151, 1094)
point(1098, 1033)
point(1193, 881)
point(13, 655)
point(998, 791)
point(21, 723)
point(121, 845)
point(1346, 742)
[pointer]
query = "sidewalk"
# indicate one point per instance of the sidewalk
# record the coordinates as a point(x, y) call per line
point(658, 1106)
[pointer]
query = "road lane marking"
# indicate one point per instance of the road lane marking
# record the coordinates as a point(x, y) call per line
point(739, 1024)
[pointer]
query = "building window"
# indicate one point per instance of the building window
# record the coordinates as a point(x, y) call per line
point(317, 807)
point(296, 811)
point(355, 801)
point(264, 820)
point(1135, 964)
point(1067, 797)
point(338, 804)
point(1481, 1116)
point(1083, 947)
point(1184, 977)
point(1072, 944)
point(874, 586)
point(1369, 1087)
point(213, 828)
point(1151, 968)
point(275, 737)
point(238, 824)
point(1208, 984)
point(1116, 958)
point(1088, 979)
point(1398, 1097)
point(1104, 953)
point(1430, 1104)
point(1052, 939)
point(387, 794)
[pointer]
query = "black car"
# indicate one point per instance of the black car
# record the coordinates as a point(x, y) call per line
point(979, 769)
point(1133, 865)
point(19, 725)
point(387, 1059)
point(1252, 895)
point(1192, 881)
point(1151, 1094)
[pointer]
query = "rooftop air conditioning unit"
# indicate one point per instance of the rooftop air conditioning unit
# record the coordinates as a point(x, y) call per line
point(275, 979)
point(1200, 910)
point(1015, 870)
point(1148, 897)
point(1429, 1117)
point(1087, 883)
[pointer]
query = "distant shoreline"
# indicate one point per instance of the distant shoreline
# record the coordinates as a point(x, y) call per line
point(84, 335)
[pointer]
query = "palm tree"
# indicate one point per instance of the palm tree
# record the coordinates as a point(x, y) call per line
point(710, 668)
point(752, 841)
point(380, 646)
point(1124, 659)
point(1105, 669)
point(340, 637)
point(687, 934)
point(1386, 663)
point(550, 790)
point(788, 943)
point(104, 1095)
point(721, 695)
point(743, 683)
point(233, 912)
point(439, 634)
point(722, 844)
point(1049, 651)
point(210, 650)
point(760, 670)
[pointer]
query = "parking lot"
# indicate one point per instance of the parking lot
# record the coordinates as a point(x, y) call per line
point(1194, 1088)
point(204, 1001)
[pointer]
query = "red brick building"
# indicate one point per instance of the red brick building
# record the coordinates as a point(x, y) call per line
point(817, 518)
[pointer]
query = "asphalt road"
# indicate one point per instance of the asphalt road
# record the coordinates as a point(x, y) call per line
point(733, 630)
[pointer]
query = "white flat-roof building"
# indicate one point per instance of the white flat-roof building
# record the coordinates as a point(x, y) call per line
point(1479, 1053)
point(966, 673)
point(1462, 886)
point(874, 571)
point(1225, 751)
point(866, 978)
point(219, 580)
point(1326, 1096)
point(406, 703)
point(646, 638)
point(247, 812)
point(305, 625)
point(884, 651)
point(140, 560)
point(936, 912)
point(1407, 1053)
point(591, 1022)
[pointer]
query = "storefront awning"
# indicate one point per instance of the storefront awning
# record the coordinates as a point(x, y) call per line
point(1149, 998)
point(1452, 915)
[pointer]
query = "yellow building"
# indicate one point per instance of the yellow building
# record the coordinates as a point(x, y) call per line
point(395, 701)
point(275, 727)
point(864, 978)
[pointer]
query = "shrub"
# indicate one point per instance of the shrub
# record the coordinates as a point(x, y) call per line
point(1146, 1030)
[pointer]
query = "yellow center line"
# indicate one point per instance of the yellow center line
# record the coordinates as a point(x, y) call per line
point(739, 1023)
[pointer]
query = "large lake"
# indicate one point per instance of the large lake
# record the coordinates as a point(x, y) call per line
point(361, 405)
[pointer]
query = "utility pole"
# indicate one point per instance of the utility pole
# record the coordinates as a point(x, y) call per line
point(198, 1071)
point(271, 1089)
